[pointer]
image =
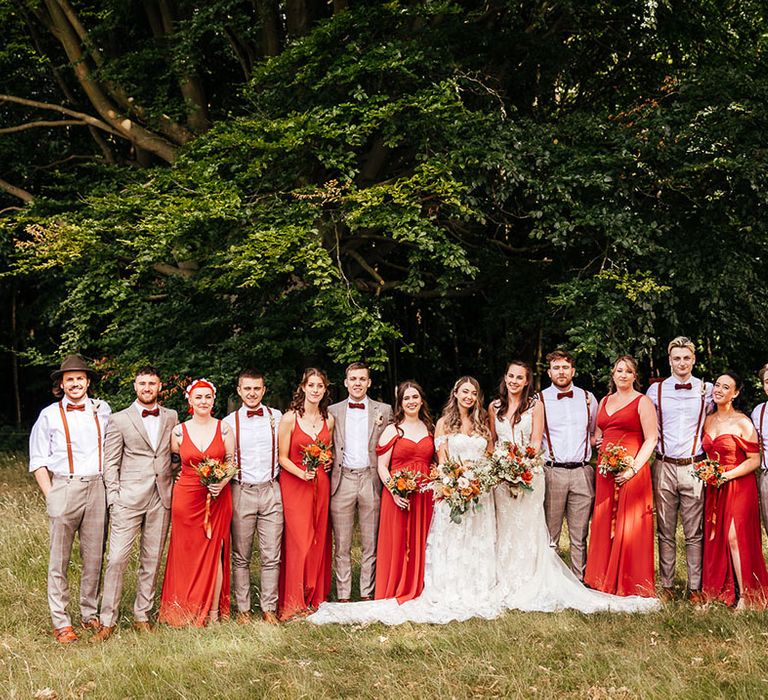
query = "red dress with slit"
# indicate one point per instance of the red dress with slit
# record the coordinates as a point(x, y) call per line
point(735, 502)
point(620, 552)
point(305, 567)
point(403, 533)
point(193, 558)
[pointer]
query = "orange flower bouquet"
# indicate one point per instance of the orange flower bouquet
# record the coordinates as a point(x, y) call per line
point(316, 455)
point(404, 482)
point(710, 471)
point(614, 460)
point(515, 465)
point(459, 484)
point(212, 471)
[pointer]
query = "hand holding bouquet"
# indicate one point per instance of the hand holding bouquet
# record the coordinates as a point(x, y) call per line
point(459, 484)
point(316, 455)
point(710, 471)
point(402, 484)
point(615, 459)
point(212, 471)
point(515, 466)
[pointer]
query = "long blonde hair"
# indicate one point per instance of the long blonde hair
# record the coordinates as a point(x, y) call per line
point(452, 415)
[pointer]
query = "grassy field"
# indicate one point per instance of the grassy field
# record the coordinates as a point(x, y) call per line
point(677, 652)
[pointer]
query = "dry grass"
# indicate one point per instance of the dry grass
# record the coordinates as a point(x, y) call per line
point(674, 653)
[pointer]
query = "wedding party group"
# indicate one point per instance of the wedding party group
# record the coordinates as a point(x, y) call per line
point(457, 519)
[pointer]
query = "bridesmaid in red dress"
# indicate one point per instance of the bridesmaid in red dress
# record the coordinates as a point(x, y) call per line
point(305, 569)
point(196, 584)
point(620, 553)
point(733, 554)
point(404, 522)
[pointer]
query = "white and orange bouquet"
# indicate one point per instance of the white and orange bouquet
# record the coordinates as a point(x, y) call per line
point(710, 471)
point(614, 459)
point(515, 465)
point(212, 471)
point(459, 484)
point(316, 455)
point(405, 482)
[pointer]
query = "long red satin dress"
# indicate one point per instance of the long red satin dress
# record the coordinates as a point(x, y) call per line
point(403, 533)
point(622, 563)
point(190, 572)
point(305, 568)
point(734, 502)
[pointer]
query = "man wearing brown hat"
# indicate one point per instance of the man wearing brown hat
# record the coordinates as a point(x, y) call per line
point(66, 455)
point(139, 479)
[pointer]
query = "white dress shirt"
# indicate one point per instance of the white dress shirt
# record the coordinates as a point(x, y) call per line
point(680, 414)
point(48, 442)
point(761, 427)
point(256, 440)
point(356, 454)
point(151, 423)
point(567, 425)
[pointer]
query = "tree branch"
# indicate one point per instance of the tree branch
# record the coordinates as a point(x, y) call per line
point(41, 124)
point(81, 116)
point(23, 195)
point(361, 261)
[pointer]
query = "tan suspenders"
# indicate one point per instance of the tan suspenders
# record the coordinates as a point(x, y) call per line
point(70, 457)
point(698, 422)
point(587, 446)
point(271, 432)
point(760, 438)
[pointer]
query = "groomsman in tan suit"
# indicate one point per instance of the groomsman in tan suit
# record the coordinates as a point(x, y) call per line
point(66, 456)
point(570, 416)
point(355, 483)
point(760, 420)
point(682, 402)
point(257, 505)
point(139, 479)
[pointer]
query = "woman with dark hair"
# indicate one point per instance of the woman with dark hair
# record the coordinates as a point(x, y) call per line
point(404, 522)
point(620, 552)
point(733, 554)
point(305, 569)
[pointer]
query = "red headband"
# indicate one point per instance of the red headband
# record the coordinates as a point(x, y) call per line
point(198, 384)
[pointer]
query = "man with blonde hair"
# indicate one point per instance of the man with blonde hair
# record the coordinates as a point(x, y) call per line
point(761, 424)
point(682, 402)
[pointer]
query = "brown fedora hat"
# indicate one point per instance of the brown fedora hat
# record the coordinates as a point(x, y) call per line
point(73, 363)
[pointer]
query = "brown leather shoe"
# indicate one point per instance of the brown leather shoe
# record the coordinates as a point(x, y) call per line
point(142, 626)
point(667, 595)
point(343, 600)
point(366, 598)
point(65, 635)
point(695, 598)
point(243, 618)
point(270, 618)
point(103, 634)
point(93, 624)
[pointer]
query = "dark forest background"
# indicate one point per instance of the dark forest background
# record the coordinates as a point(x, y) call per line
point(434, 186)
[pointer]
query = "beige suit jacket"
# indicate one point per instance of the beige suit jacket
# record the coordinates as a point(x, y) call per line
point(133, 469)
point(379, 417)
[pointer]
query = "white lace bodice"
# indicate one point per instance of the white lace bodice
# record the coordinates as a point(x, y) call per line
point(520, 433)
point(463, 447)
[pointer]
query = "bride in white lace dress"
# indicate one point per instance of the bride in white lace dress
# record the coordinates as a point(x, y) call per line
point(531, 576)
point(460, 560)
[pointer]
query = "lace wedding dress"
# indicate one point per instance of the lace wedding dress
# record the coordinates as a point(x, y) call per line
point(460, 565)
point(531, 576)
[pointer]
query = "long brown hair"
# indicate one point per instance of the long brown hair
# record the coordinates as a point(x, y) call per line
point(526, 396)
point(478, 415)
point(297, 402)
point(632, 362)
point(424, 415)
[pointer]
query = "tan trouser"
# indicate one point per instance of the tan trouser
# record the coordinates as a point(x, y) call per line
point(357, 492)
point(75, 505)
point(762, 485)
point(570, 494)
point(125, 524)
point(675, 488)
point(256, 508)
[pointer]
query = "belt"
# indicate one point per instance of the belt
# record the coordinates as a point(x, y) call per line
point(358, 470)
point(255, 484)
point(681, 461)
point(566, 465)
point(75, 477)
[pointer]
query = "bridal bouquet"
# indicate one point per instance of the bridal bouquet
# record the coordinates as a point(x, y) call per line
point(515, 465)
point(459, 484)
point(212, 471)
point(404, 482)
point(614, 460)
point(315, 455)
point(710, 471)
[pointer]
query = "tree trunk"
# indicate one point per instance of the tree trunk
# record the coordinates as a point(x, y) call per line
point(15, 361)
point(271, 31)
point(297, 19)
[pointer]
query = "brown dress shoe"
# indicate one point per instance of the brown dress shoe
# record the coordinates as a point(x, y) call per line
point(243, 618)
point(695, 598)
point(93, 624)
point(65, 635)
point(667, 594)
point(343, 600)
point(142, 626)
point(103, 634)
point(366, 598)
point(270, 618)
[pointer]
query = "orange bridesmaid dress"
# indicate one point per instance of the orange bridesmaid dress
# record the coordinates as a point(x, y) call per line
point(403, 533)
point(305, 568)
point(620, 552)
point(190, 572)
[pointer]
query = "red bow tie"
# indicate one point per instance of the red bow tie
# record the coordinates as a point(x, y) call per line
point(683, 386)
point(356, 405)
point(153, 412)
point(255, 412)
point(565, 395)
point(75, 407)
